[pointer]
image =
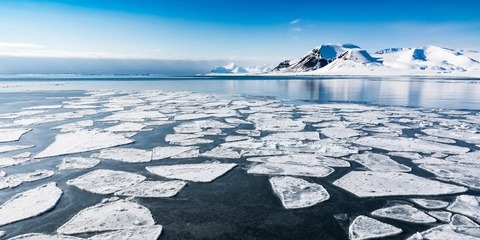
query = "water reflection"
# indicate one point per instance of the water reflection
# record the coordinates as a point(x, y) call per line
point(455, 94)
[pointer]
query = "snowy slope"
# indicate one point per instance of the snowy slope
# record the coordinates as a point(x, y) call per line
point(429, 59)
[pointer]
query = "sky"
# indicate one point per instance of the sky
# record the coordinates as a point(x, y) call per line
point(146, 35)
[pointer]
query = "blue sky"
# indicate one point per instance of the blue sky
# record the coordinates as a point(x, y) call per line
point(243, 31)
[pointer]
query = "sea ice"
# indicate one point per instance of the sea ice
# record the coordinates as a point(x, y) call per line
point(116, 215)
point(469, 158)
point(11, 161)
point(41, 236)
point(130, 155)
point(166, 152)
point(77, 163)
point(138, 233)
point(220, 152)
point(237, 121)
point(290, 170)
point(75, 126)
point(454, 134)
point(190, 116)
point(298, 193)
point(194, 153)
point(10, 148)
point(279, 125)
point(126, 127)
point(293, 136)
point(201, 172)
point(340, 132)
point(404, 213)
point(15, 180)
point(376, 184)
point(380, 163)
point(104, 181)
point(153, 189)
point(10, 135)
point(400, 144)
point(429, 203)
point(232, 138)
point(302, 159)
point(464, 174)
point(82, 141)
point(364, 227)
point(443, 216)
point(443, 232)
point(408, 155)
point(30, 203)
point(467, 205)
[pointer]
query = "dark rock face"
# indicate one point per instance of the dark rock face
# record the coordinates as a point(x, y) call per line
point(310, 62)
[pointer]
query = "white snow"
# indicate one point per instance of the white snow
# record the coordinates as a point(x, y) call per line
point(363, 227)
point(126, 127)
point(229, 69)
point(404, 213)
point(154, 189)
point(376, 184)
point(82, 141)
point(290, 170)
point(469, 137)
point(104, 181)
point(138, 233)
point(130, 155)
point(379, 162)
point(298, 193)
point(443, 216)
point(293, 136)
point(116, 215)
point(30, 203)
point(464, 174)
point(10, 135)
point(11, 161)
point(69, 163)
point(201, 172)
point(75, 126)
point(340, 132)
point(302, 159)
point(17, 179)
point(220, 152)
point(41, 236)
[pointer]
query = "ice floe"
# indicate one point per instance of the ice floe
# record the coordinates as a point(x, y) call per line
point(138, 233)
point(109, 216)
point(41, 236)
point(430, 203)
point(293, 136)
point(302, 159)
point(376, 184)
point(220, 152)
point(454, 134)
point(69, 163)
point(464, 174)
point(82, 141)
point(30, 203)
point(298, 193)
point(75, 126)
point(10, 135)
point(153, 189)
point(379, 162)
point(443, 216)
point(201, 172)
point(11, 161)
point(467, 205)
point(10, 148)
point(290, 170)
point(404, 213)
point(14, 180)
point(104, 181)
point(363, 227)
point(340, 132)
point(408, 155)
point(167, 152)
point(127, 127)
point(401, 144)
point(130, 155)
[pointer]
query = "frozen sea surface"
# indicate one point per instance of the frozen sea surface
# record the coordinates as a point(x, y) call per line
point(197, 165)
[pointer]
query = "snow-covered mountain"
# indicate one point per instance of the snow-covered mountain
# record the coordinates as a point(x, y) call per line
point(349, 59)
point(230, 68)
point(233, 68)
point(331, 56)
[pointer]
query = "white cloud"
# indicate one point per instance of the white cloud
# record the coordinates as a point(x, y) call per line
point(295, 21)
point(10, 45)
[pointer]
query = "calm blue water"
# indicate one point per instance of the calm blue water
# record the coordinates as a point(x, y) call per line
point(415, 92)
